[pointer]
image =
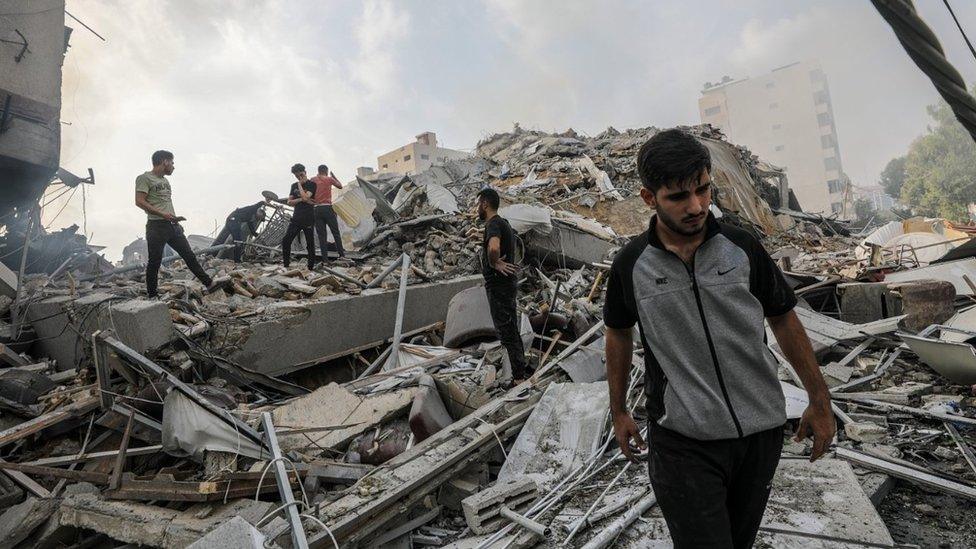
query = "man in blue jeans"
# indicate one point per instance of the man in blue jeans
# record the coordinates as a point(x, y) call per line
point(699, 292)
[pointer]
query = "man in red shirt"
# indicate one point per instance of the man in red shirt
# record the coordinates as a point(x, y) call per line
point(324, 214)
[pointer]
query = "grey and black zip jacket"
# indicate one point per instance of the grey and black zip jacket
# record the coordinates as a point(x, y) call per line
point(709, 374)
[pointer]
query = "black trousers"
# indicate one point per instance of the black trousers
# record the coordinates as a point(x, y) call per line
point(325, 218)
point(159, 233)
point(293, 229)
point(712, 492)
point(233, 228)
point(504, 314)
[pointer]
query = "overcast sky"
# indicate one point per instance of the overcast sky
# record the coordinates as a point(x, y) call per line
point(241, 90)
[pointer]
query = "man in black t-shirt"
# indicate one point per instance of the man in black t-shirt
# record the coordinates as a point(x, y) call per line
point(240, 223)
point(501, 281)
point(303, 218)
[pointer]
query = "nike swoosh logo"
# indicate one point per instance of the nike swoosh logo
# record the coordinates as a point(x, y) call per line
point(720, 273)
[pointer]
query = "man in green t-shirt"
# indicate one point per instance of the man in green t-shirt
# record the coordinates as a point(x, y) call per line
point(154, 196)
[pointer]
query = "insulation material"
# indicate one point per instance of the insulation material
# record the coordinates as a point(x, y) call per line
point(189, 430)
point(355, 213)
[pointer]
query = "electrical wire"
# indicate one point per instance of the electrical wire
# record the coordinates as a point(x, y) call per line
point(959, 26)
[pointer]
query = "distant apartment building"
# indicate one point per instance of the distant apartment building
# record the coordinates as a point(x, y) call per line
point(786, 118)
point(418, 156)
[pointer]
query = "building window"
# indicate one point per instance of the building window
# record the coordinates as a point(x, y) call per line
point(835, 186)
point(823, 119)
point(712, 111)
point(770, 85)
point(424, 157)
point(777, 126)
point(821, 97)
point(836, 207)
point(773, 106)
point(831, 163)
point(406, 158)
point(827, 141)
point(779, 147)
point(385, 166)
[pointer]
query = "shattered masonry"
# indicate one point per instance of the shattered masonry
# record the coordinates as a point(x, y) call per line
point(141, 421)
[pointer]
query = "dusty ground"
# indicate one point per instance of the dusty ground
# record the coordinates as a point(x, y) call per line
point(950, 523)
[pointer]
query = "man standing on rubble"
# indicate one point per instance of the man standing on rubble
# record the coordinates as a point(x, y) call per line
point(239, 223)
point(302, 218)
point(501, 279)
point(325, 216)
point(155, 197)
point(699, 292)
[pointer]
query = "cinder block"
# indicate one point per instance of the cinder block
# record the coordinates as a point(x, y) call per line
point(481, 510)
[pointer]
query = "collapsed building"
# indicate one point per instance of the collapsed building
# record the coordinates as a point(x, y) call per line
point(370, 404)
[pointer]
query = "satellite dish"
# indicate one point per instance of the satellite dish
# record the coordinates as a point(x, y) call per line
point(270, 196)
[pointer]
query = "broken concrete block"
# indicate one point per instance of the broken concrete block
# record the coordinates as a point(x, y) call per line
point(17, 522)
point(290, 337)
point(140, 324)
point(468, 318)
point(456, 490)
point(331, 406)
point(586, 365)
point(481, 509)
point(564, 429)
point(865, 432)
point(909, 389)
point(236, 533)
point(428, 414)
point(863, 302)
point(462, 395)
point(925, 302)
point(8, 282)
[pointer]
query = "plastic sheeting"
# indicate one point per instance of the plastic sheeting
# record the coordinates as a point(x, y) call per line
point(526, 218)
point(355, 213)
point(189, 430)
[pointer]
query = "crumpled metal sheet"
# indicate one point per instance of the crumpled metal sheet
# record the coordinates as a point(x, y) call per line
point(189, 430)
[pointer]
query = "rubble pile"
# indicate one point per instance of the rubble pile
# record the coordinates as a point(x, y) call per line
point(368, 403)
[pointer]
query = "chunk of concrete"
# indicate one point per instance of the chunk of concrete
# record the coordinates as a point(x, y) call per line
point(155, 526)
point(138, 323)
point(334, 406)
point(481, 509)
point(8, 282)
point(19, 521)
point(292, 339)
point(587, 364)
point(236, 533)
point(925, 302)
point(564, 429)
point(468, 318)
point(865, 432)
point(428, 414)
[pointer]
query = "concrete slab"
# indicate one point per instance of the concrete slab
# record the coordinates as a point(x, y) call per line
point(588, 364)
point(140, 324)
point(236, 533)
point(565, 428)
point(154, 526)
point(568, 246)
point(304, 333)
point(333, 405)
point(822, 498)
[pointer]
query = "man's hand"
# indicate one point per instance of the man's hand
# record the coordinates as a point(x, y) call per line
point(817, 421)
point(170, 217)
point(505, 267)
point(624, 428)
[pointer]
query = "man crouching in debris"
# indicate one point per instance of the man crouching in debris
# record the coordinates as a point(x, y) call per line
point(501, 279)
point(240, 223)
point(155, 197)
point(699, 291)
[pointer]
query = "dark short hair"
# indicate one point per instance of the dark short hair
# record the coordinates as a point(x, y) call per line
point(298, 168)
point(490, 196)
point(323, 168)
point(159, 157)
point(672, 157)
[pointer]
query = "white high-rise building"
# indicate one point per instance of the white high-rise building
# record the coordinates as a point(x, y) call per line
point(786, 118)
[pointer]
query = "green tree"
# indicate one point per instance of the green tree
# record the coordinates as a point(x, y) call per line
point(940, 168)
point(893, 176)
point(863, 211)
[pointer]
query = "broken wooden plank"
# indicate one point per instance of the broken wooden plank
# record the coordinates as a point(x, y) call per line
point(76, 458)
point(906, 473)
point(10, 358)
point(81, 476)
point(28, 483)
point(44, 421)
point(123, 448)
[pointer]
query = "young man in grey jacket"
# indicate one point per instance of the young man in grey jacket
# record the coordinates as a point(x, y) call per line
point(699, 292)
